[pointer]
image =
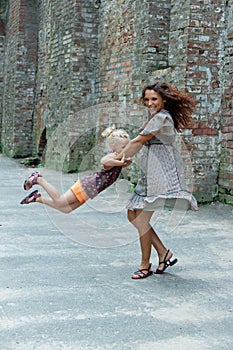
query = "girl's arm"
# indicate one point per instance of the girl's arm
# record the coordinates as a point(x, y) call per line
point(110, 160)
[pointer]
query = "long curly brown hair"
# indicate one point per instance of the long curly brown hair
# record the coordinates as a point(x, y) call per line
point(179, 104)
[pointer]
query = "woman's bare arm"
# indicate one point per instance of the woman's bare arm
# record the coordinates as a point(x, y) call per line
point(135, 145)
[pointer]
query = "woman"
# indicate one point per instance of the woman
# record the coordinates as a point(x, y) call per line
point(170, 110)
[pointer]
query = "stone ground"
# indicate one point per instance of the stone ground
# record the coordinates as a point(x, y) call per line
point(65, 279)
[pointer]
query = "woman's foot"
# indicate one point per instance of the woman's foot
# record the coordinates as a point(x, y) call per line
point(165, 263)
point(142, 273)
point(31, 181)
point(32, 197)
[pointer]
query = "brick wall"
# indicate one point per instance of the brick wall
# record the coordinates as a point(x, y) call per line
point(67, 63)
point(205, 51)
point(116, 39)
point(2, 49)
point(19, 78)
point(8, 138)
point(196, 49)
point(133, 42)
point(42, 81)
point(93, 60)
point(225, 180)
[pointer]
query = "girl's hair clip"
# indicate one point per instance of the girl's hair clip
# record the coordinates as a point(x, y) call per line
point(107, 132)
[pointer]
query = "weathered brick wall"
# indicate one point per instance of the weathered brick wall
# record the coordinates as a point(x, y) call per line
point(19, 77)
point(8, 138)
point(92, 54)
point(225, 180)
point(66, 72)
point(2, 50)
point(41, 115)
point(203, 79)
point(196, 49)
point(116, 42)
point(133, 43)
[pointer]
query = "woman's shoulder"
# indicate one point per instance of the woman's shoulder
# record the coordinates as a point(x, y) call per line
point(164, 117)
point(161, 118)
point(162, 114)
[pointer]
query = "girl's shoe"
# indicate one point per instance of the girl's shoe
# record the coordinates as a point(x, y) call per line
point(166, 264)
point(31, 181)
point(32, 197)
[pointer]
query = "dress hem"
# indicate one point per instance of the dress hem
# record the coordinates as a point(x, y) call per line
point(138, 202)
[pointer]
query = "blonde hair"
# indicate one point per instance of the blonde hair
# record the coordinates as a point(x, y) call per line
point(112, 134)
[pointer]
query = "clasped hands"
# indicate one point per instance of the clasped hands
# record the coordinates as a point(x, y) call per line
point(125, 161)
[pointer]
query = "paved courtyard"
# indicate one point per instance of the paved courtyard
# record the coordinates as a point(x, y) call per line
point(65, 279)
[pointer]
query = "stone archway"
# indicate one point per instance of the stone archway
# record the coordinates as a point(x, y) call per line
point(42, 143)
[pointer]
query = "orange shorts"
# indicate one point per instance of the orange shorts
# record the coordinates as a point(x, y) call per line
point(79, 192)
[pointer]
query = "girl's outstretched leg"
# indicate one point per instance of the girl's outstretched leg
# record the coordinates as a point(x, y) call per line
point(65, 203)
point(37, 179)
point(50, 189)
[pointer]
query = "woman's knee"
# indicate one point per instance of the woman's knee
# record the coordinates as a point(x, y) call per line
point(65, 210)
point(141, 222)
point(134, 219)
point(131, 216)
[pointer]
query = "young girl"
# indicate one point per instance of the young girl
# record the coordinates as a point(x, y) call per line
point(87, 187)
